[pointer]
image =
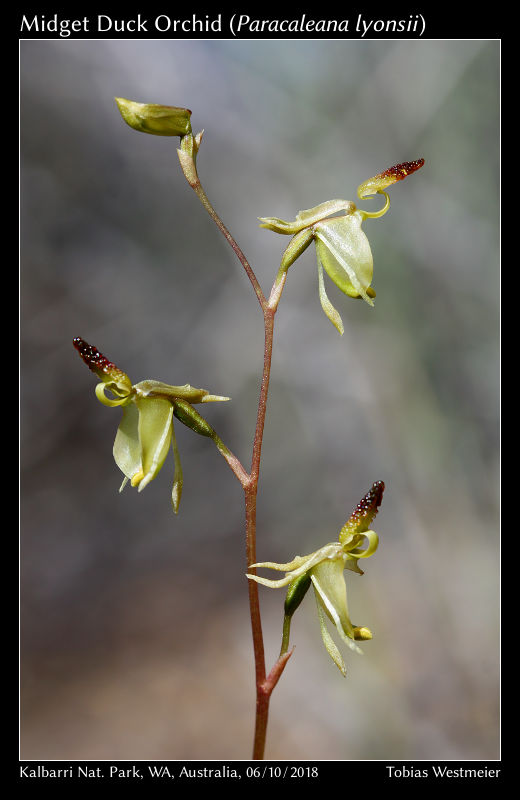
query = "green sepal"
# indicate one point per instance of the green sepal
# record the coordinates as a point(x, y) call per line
point(307, 217)
point(152, 388)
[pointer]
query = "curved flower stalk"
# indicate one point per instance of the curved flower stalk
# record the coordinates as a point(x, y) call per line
point(146, 430)
point(325, 570)
point(342, 248)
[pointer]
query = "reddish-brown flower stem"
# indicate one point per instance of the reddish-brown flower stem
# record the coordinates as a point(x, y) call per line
point(249, 482)
point(263, 689)
point(201, 194)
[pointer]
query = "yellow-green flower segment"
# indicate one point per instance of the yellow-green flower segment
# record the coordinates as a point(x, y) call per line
point(325, 568)
point(342, 248)
point(146, 430)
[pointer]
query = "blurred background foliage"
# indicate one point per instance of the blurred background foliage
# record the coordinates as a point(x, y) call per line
point(135, 628)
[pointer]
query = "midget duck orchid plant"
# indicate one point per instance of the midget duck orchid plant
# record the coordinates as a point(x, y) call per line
point(149, 407)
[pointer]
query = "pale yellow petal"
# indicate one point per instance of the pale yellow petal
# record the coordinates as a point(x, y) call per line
point(328, 641)
point(344, 251)
point(155, 432)
point(127, 448)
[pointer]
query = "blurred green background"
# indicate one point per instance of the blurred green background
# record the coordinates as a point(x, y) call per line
point(135, 629)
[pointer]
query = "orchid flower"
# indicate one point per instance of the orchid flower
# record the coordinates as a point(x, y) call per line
point(342, 248)
point(325, 570)
point(146, 430)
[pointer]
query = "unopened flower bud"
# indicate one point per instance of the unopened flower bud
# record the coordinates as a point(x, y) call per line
point(153, 118)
